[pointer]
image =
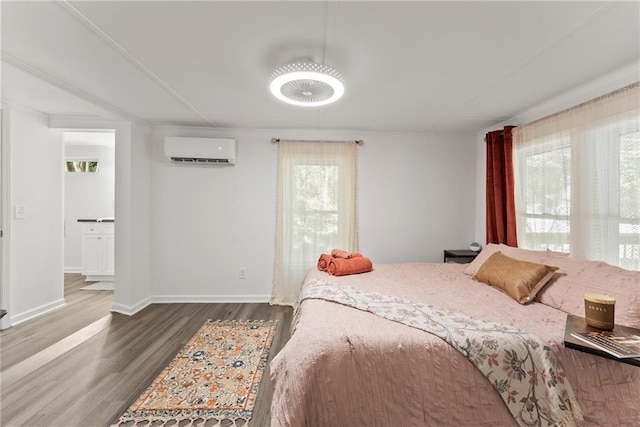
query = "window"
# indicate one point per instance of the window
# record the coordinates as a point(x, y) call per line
point(577, 178)
point(547, 192)
point(629, 220)
point(75, 165)
point(316, 209)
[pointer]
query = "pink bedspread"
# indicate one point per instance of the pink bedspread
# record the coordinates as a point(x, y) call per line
point(345, 367)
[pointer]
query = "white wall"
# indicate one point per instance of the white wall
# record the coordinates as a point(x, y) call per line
point(36, 244)
point(416, 197)
point(133, 218)
point(141, 213)
point(86, 195)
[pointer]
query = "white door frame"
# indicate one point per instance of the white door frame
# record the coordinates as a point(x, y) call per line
point(80, 127)
point(5, 218)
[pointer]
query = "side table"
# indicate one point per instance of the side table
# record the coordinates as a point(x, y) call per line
point(460, 256)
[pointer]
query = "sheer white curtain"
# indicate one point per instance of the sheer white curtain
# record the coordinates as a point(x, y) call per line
point(316, 209)
point(577, 177)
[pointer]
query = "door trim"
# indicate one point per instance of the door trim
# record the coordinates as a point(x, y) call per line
point(5, 218)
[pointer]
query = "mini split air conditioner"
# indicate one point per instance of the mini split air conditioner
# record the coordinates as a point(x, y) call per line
point(212, 151)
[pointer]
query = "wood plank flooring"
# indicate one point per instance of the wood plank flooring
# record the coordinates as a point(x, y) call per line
point(81, 309)
point(83, 366)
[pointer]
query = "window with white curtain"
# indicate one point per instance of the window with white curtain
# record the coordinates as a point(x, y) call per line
point(629, 197)
point(545, 182)
point(316, 209)
point(577, 178)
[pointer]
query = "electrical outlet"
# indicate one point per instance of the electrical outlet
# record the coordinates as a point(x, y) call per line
point(243, 273)
point(18, 211)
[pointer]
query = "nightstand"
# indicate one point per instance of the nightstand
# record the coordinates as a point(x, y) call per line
point(460, 256)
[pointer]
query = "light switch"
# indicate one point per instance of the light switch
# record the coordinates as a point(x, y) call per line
point(18, 211)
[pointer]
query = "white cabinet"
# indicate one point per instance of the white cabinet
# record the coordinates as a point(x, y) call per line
point(98, 251)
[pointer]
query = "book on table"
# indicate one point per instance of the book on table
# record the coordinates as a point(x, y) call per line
point(622, 343)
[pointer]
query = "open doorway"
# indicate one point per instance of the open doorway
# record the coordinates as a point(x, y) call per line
point(89, 207)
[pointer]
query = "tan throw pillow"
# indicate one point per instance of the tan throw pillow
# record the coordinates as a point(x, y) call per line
point(518, 253)
point(521, 280)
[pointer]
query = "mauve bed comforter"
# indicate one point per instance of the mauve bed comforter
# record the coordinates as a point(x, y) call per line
point(345, 367)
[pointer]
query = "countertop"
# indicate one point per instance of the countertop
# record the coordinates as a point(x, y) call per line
point(96, 220)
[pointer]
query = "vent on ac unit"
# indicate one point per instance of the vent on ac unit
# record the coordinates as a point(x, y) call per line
point(212, 151)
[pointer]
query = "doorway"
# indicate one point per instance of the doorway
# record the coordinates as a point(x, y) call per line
point(89, 203)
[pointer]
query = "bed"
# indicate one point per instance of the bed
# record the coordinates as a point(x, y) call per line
point(347, 367)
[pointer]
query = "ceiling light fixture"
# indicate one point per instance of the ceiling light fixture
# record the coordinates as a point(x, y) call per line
point(307, 84)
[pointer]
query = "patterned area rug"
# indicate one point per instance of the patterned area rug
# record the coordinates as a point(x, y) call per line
point(213, 380)
point(99, 286)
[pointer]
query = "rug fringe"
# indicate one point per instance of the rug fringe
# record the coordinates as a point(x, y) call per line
point(184, 422)
point(267, 322)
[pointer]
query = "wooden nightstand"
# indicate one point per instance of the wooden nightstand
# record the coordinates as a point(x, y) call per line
point(460, 256)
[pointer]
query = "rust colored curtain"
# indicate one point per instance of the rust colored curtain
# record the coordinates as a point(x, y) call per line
point(501, 210)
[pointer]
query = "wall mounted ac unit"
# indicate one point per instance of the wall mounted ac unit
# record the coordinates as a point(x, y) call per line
point(213, 151)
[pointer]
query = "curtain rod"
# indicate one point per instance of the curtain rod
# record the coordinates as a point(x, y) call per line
point(582, 104)
point(274, 140)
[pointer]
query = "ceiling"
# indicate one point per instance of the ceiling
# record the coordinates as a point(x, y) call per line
point(408, 66)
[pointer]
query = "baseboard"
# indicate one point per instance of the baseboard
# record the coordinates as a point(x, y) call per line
point(130, 310)
point(35, 312)
point(188, 299)
point(73, 269)
point(208, 299)
point(99, 278)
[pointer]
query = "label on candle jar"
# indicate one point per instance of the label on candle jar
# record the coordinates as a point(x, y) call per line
point(599, 311)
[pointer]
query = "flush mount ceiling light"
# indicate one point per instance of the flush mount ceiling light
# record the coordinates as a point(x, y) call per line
point(307, 84)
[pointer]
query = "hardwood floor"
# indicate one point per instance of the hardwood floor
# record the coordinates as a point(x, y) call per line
point(83, 366)
point(82, 308)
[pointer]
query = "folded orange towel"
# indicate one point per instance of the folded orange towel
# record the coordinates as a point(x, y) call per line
point(323, 262)
point(344, 266)
point(339, 253)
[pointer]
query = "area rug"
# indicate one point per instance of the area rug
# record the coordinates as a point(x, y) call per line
point(214, 379)
point(99, 286)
